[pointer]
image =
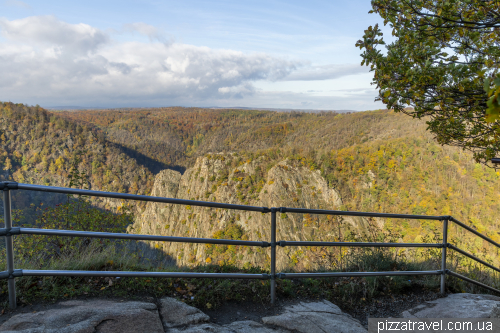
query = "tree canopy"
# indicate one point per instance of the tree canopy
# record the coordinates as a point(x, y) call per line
point(443, 65)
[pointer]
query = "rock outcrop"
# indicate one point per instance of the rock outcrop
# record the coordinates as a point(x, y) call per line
point(316, 317)
point(175, 313)
point(458, 306)
point(171, 316)
point(89, 316)
point(212, 178)
point(174, 316)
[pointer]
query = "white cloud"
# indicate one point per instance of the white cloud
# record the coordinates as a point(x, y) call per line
point(50, 62)
point(326, 72)
point(49, 32)
point(53, 60)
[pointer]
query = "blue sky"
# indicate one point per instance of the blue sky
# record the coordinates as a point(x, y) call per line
point(275, 54)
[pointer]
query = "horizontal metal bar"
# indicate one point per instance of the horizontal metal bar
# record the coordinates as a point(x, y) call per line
point(74, 233)
point(146, 274)
point(10, 232)
point(348, 213)
point(15, 273)
point(8, 186)
point(466, 227)
point(353, 274)
point(473, 257)
point(127, 196)
point(357, 244)
point(471, 281)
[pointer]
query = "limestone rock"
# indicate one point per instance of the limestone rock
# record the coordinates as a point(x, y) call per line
point(86, 317)
point(175, 313)
point(212, 178)
point(316, 317)
point(458, 306)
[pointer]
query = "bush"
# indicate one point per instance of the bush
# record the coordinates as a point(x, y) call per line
point(73, 215)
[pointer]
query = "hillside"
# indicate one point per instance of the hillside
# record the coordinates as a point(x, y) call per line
point(38, 147)
point(175, 137)
point(372, 161)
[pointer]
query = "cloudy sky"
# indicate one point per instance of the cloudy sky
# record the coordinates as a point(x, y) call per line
point(268, 54)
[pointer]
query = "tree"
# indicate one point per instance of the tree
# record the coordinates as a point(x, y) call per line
point(442, 66)
point(7, 164)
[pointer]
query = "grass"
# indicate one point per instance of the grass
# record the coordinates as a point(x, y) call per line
point(211, 293)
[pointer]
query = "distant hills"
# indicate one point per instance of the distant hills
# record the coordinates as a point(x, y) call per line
point(72, 107)
point(280, 109)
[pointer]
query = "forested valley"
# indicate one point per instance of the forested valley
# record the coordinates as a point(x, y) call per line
point(377, 161)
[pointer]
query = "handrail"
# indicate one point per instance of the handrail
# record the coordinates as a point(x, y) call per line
point(356, 274)
point(76, 233)
point(357, 244)
point(138, 197)
point(349, 213)
point(8, 232)
point(29, 272)
point(453, 247)
point(471, 281)
point(466, 227)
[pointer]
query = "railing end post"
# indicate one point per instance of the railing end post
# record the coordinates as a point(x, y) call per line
point(8, 185)
point(443, 255)
point(273, 255)
point(9, 249)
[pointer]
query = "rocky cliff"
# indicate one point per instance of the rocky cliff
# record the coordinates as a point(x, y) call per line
point(225, 178)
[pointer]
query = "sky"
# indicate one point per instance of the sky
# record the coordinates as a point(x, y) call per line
point(262, 54)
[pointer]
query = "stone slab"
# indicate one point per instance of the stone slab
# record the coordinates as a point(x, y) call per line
point(315, 317)
point(458, 306)
point(87, 317)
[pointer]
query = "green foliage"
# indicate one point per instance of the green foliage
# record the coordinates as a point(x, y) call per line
point(444, 62)
point(47, 149)
point(74, 215)
point(349, 293)
point(225, 254)
point(378, 161)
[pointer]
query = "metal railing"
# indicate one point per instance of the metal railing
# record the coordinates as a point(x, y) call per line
point(9, 231)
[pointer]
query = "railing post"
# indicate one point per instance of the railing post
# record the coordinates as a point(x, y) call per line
point(9, 249)
point(273, 255)
point(443, 256)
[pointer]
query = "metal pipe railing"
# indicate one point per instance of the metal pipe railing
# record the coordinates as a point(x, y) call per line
point(471, 281)
point(443, 256)
point(9, 248)
point(273, 255)
point(357, 244)
point(8, 232)
point(27, 272)
point(110, 235)
point(355, 274)
point(453, 247)
point(138, 197)
point(365, 214)
point(466, 227)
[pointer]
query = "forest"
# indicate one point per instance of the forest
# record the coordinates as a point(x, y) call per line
point(378, 161)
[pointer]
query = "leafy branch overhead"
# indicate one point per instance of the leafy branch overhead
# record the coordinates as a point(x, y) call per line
point(443, 62)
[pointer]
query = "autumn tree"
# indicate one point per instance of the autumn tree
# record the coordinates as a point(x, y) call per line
point(443, 63)
point(8, 164)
